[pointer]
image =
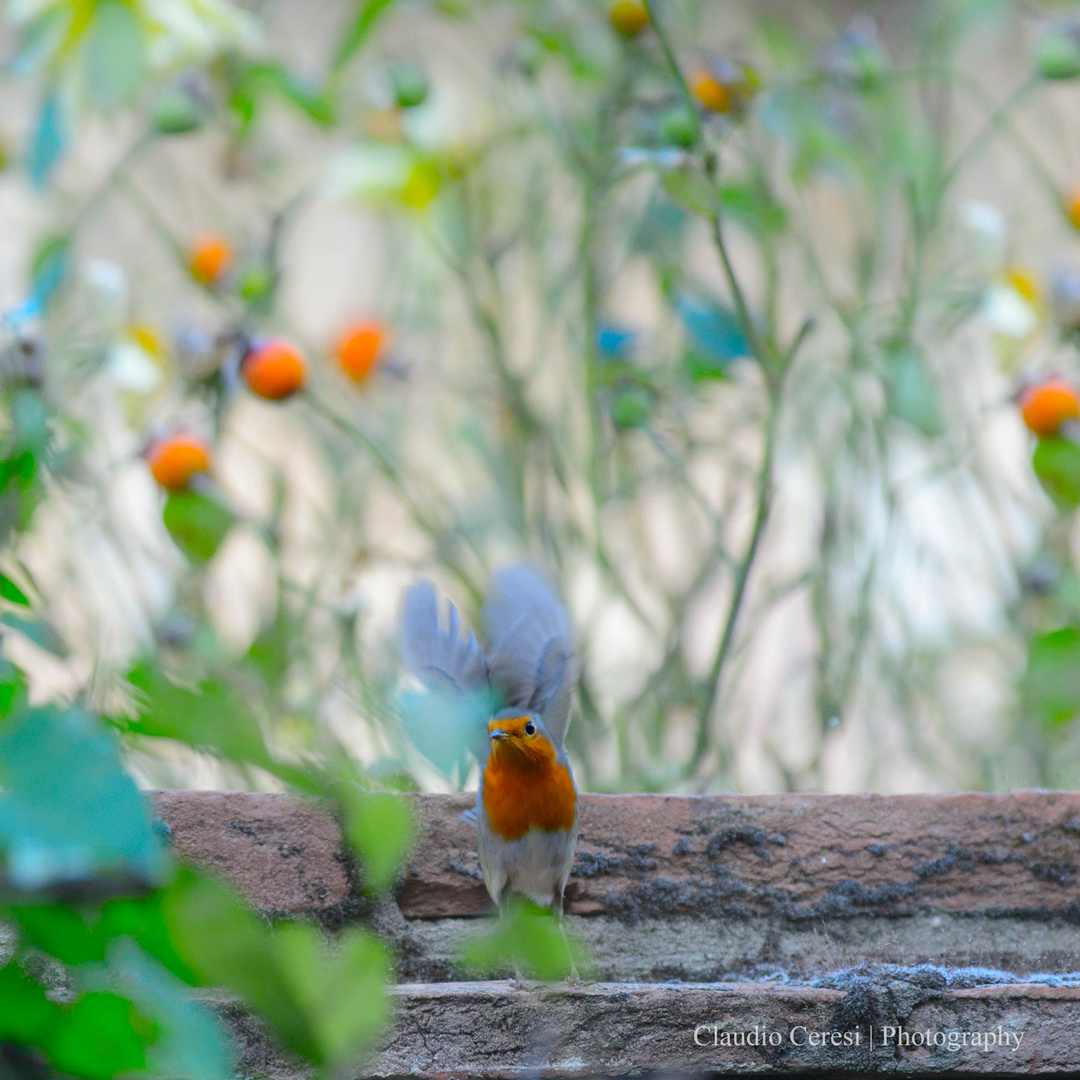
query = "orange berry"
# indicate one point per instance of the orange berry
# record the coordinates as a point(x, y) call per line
point(710, 91)
point(628, 17)
point(175, 460)
point(1072, 206)
point(358, 349)
point(275, 370)
point(209, 258)
point(1048, 405)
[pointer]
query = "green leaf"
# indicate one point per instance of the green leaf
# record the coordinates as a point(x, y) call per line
point(1057, 465)
point(210, 716)
point(340, 992)
point(27, 1015)
point(197, 523)
point(48, 267)
point(368, 13)
point(49, 140)
point(753, 208)
point(632, 407)
point(530, 936)
point(83, 934)
point(114, 54)
point(1050, 688)
point(447, 726)
point(692, 191)
point(913, 397)
point(381, 829)
point(10, 591)
point(69, 814)
point(100, 1037)
point(12, 688)
point(36, 630)
point(714, 329)
point(190, 1042)
point(325, 1004)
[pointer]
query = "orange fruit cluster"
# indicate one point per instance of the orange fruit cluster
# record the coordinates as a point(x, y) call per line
point(710, 91)
point(628, 17)
point(175, 460)
point(274, 370)
point(359, 348)
point(1047, 405)
point(210, 258)
point(1072, 206)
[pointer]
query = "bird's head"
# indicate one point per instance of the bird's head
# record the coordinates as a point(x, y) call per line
point(520, 736)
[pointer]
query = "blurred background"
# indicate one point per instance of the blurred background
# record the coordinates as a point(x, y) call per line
point(752, 323)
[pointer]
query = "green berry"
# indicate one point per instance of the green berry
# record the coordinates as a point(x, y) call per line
point(677, 127)
point(256, 282)
point(410, 85)
point(631, 409)
point(1058, 57)
point(176, 114)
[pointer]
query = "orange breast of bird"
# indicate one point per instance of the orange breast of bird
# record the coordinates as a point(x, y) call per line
point(521, 794)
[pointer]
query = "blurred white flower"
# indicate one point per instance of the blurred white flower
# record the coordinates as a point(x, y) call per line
point(132, 368)
point(984, 226)
point(1008, 312)
point(106, 291)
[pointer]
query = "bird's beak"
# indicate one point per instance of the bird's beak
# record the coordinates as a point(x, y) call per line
point(498, 733)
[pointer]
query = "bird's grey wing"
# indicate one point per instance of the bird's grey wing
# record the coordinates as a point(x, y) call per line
point(531, 652)
point(438, 653)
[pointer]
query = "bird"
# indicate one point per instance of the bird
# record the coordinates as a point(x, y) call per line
point(527, 811)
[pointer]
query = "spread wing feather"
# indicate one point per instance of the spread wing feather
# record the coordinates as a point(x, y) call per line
point(437, 653)
point(530, 658)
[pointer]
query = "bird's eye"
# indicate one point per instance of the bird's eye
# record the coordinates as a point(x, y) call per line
point(530, 728)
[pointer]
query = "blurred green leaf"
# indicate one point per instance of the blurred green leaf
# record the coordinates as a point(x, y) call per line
point(1057, 465)
point(12, 688)
point(447, 726)
point(529, 935)
point(48, 142)
point(197, 523)
point(114, 53)
point(368, 13)
point(69, 813)
point(100, 1036)
point(308, 100)
point(191, 1042)
point(210, 716)
point(27, 1015)
point(752, 208)
point(693, 191)
point(715, 330)
point(1050, 687)
point(632, 407)
point(10, 591)
point(36, 630)
point(271, 650)
point(380, 827)
point(48, 267)
point(324, 1004)
point(913, 398)
point(80, 934)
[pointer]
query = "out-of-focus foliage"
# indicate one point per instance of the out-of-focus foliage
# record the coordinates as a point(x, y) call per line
point(731, 318)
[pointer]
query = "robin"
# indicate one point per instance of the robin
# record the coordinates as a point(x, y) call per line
point(526, 806)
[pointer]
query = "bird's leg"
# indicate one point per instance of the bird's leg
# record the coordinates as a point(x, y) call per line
point(573, 978)
point(518, 981)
